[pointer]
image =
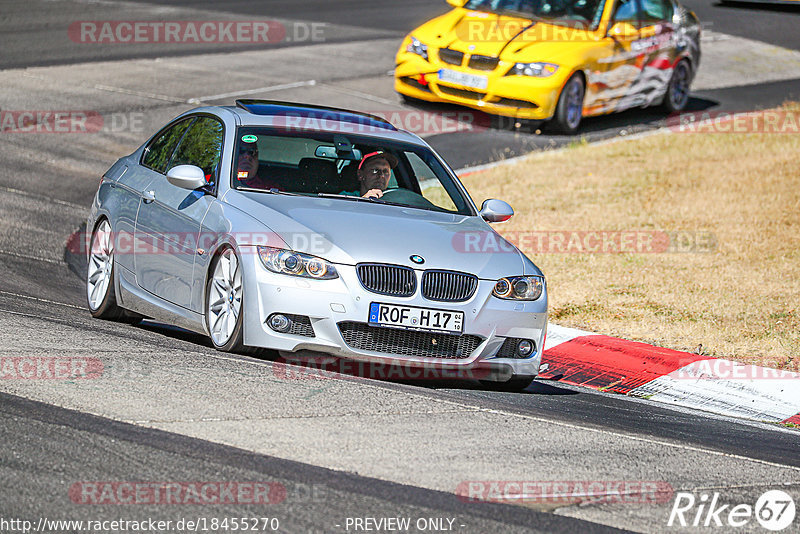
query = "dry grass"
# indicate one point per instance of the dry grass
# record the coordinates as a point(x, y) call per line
point(739, 301)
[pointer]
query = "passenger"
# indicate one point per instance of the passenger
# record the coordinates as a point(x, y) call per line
point(373, 174)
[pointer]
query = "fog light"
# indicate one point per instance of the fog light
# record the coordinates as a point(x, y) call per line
point(279, 322)
point(524, 347)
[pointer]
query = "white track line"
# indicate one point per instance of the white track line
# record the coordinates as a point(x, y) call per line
point(143, 94)
point(28, 257)
point(42, 197)
point(293, 85)
point(10, 294)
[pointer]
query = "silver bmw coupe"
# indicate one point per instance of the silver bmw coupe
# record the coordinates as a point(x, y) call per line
point(314, 231)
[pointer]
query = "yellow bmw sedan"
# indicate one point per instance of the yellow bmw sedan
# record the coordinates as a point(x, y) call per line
point(553, 60)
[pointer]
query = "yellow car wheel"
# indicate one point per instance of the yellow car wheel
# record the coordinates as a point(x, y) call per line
point(569, 109)
point(678, 89)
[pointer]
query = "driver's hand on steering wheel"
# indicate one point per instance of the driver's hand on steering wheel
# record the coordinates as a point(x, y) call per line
point(373, 193)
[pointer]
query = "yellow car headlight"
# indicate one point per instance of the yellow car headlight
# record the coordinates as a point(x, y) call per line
point(416, 47)
point(537, 69)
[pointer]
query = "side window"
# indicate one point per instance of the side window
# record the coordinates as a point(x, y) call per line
point(429, 184)
point(201, 146)
point(159, 151)
point(655, 11)
point(627, 11)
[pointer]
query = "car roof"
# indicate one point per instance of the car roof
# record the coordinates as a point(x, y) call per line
point(312, 117)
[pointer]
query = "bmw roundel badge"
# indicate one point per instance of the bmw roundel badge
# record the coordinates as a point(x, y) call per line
point(416, 258)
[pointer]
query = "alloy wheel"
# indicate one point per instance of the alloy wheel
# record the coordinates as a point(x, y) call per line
point(224, 298)
point(101, 262)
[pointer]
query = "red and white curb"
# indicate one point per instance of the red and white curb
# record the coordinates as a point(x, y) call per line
point(670, 376)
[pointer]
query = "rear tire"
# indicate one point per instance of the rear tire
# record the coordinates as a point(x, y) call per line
point(515, 385)
point(677, 95)
point(224, 302)
point(101, 298)
point(569, 110)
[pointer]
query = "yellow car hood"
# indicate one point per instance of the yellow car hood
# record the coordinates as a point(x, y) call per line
point(477, 32)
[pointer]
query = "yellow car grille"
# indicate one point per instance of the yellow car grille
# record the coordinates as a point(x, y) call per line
point(453, 57)
point(463, 93)
point(478, 62)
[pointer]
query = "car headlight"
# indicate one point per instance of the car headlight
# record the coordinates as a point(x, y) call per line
point(416, 47)
point(284, 261)
point(538, 69)
point(519, 288)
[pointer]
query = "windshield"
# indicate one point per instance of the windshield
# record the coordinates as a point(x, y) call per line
point(583, 13)
point(345, 167)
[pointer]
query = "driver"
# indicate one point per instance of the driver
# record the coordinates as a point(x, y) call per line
point(247, 171)
point(374, 173)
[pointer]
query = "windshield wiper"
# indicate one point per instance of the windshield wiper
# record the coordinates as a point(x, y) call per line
point(272, 191)
point(350, 197)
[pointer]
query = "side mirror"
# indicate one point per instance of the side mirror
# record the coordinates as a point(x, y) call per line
point(186, 177)
point(624, 30)
point(494, 210)
point(457, 3)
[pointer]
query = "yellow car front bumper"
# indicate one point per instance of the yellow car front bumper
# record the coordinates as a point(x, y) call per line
point(524, 97)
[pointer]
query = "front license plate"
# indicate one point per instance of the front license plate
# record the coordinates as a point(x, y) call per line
point(381, 314)
point(461, 78)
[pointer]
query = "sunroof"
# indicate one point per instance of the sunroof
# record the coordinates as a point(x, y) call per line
point(312, 112)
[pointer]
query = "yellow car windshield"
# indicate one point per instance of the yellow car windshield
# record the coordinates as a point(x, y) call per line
point(582, 13)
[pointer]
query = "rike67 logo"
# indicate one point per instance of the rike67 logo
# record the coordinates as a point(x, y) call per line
point(774, 510)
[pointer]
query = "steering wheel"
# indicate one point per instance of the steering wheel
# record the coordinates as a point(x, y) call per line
point(406, 196)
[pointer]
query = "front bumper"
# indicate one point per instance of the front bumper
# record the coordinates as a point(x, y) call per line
point(523, 97)
point(332, 306)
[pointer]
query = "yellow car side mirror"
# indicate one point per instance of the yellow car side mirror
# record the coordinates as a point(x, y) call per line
point(457, 3)
point(624, 30)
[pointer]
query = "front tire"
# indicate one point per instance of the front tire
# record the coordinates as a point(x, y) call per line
point(224, 309)
point(677, 95)
point(569, 110)
point(101, 298)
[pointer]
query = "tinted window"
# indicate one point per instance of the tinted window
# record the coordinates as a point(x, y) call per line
point(656, 10)
point(627, 11)
point(201, 146)
point(158, 152)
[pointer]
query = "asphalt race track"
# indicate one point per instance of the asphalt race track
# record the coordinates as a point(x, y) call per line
point(167, 408)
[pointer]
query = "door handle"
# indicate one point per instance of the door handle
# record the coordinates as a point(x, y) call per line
point(148, 196)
